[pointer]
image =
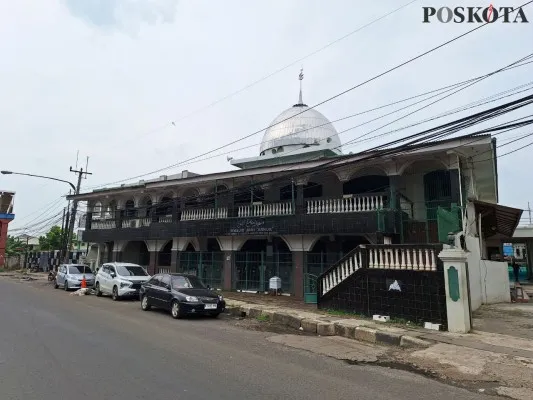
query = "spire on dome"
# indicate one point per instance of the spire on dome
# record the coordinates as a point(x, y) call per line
point(301, 77)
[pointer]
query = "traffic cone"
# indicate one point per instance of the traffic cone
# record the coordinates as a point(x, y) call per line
point(83, 283)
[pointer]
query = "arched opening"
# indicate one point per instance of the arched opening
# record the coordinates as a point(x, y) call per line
point(129, 209)
point(247, 195)
point(136, 252)
point(259, 260)
point(437, 191)
point(190, 197)
point(164, 258)
point(206, 265)
point(368, 184)
point(164, 207)
point(146, 208)
point(97, 210)
point(111, 210)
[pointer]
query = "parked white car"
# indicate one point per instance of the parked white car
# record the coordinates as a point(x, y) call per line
point(120, 280)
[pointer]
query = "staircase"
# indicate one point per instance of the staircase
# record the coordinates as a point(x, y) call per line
point(403, 281)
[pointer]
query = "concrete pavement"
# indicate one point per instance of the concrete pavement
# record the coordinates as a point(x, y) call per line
point(53, 345)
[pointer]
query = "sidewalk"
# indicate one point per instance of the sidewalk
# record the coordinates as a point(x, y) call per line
point(499, 363)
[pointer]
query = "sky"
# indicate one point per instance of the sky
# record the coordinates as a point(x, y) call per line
point(138, 85)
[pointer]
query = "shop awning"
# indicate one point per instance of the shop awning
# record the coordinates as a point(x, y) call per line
point(497, 219)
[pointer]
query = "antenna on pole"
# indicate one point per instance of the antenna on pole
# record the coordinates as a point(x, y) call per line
point(529, 212)
point(77, 156)
point(301, 78)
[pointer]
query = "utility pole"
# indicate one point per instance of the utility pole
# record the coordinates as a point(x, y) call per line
point(70, 233)
point(529, 212)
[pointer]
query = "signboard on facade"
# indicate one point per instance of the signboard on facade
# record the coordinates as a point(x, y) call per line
point(251, 227)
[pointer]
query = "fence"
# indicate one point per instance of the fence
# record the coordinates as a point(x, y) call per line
point(402, 281)
point(253, 271)
point(50, 259)
point(207, 265)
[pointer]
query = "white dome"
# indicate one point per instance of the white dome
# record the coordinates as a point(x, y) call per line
point(308, 129)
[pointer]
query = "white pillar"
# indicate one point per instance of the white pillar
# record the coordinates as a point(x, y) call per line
point(457, 304)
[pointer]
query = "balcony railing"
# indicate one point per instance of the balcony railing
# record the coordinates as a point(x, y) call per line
point(265, 210)
point(204, 213)
point(165, 219)
point(103, 224)
point(346, 205)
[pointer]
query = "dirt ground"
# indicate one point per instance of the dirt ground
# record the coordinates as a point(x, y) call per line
point(507, 319)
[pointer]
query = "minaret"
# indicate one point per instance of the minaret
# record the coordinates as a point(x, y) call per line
point(301, 77)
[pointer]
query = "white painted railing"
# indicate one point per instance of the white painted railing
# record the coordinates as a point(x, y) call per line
point(165, 219)
point(130, 223)
point(423, 258)
point(265, 210)
point(407, 258)
point(103, 224)
point(145, 221)
point(204, 213)
point(342, 270)
point(345, 205)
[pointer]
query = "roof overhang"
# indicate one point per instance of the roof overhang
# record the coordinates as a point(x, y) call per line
point(497, 219)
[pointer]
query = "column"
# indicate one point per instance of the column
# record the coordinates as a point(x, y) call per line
point(457, 299)
point(300, 204)
point(116, 256)
point(454, 183)
point(152, 263)
point(174, 255)
point(298, 258)
point(228, 270)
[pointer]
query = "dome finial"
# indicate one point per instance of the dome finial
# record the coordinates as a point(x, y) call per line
point(301, 77)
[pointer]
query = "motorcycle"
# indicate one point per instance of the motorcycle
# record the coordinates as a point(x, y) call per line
point(52, 275)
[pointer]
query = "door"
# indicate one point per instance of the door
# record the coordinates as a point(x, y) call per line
point(60, 278)
point(151, 288)
point(104, 279)
point(165, 294)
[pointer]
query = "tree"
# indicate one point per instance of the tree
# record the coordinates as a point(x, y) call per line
point(14, 246)
point(52, 240)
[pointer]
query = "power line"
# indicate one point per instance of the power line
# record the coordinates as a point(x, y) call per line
point(298, 61)
point(339, 94)
point(445, 88)
point(417, 141)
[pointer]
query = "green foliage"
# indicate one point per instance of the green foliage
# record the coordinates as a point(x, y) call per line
point(52, 240)
point(15, 247)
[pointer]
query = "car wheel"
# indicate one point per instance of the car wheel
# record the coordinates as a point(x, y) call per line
point(175, 310)
point(66, 286)
point(98, 291)
point(115, 295)
point(55, 284)
point(145, 306)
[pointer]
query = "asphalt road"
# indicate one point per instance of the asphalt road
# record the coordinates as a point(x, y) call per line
point(56, 346)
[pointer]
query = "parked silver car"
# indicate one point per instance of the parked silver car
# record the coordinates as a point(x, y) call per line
point(70, 276)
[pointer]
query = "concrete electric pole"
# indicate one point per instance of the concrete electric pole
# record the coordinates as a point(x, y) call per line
point(70, 233)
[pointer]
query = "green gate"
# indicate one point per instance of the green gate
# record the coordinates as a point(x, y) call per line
point(448, 222)
point(206, 265)
point(310, 288)
point(315, 265)
point(254, 269)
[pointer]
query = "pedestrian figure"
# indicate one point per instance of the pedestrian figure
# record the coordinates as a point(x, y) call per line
point(516, 270)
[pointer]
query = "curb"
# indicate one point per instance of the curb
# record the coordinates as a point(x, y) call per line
point(388, 336)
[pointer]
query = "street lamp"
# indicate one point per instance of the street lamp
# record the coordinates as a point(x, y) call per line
point(70, 224)
point(40, 176)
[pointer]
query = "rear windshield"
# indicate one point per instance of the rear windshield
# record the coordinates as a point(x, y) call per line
point(79, 269)
point(186, 282)
point(131, 270)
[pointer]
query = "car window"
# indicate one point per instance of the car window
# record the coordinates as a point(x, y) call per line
point(156, 280)
point(187, 282)
point(165, 281)
point(112, 270)
point(79, 269)
point(131, 270)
